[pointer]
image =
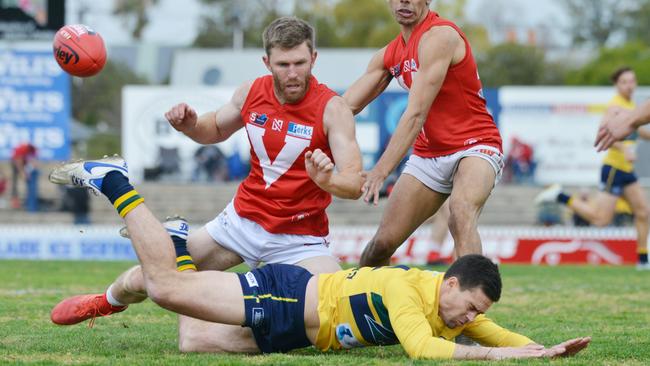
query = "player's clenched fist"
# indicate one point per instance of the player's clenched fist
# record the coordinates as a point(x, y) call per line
point(319, 166)
point(182, 117)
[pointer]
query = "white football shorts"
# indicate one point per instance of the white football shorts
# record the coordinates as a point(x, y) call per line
point(256, 245)
point(438, 173)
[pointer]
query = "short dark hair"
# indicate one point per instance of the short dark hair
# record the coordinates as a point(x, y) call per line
point(287, 33)
point(620, 71)
point(474, 270)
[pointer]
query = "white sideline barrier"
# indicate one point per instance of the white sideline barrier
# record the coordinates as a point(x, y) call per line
point(527, 245)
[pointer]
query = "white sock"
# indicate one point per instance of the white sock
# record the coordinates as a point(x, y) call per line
point(111, 299)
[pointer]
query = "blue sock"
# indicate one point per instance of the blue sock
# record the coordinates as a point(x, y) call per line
point(118, 190)
point(563, 198)
point(115, 185)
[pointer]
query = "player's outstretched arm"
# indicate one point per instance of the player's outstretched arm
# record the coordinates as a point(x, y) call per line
point(508, 344)
point(211, 127)
point(564, 349)
point(436, 50)
point(339, 127)
point(372, 83)
point(618, 124)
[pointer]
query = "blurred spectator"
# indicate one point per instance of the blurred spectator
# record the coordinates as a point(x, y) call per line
point(211, 165)
point(3, 189)
point(549, 214)
point(520, 163)
point(167, 165)
point(23, 167)
point(77, 201)
point(238, 168)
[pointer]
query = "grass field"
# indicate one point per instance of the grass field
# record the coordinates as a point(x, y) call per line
point(549, 304)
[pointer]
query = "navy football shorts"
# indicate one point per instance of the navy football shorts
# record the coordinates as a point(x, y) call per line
point(614, 181)
point(274, 300)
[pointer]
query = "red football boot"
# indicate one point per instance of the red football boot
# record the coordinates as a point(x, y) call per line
point(76, 309)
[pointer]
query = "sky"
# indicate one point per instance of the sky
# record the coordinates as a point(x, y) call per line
point(185, 17)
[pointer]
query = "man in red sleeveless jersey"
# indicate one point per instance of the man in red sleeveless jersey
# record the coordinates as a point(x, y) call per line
point(303, 150)
point(456, 145)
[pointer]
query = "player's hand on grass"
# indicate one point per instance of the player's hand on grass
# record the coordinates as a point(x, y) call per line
point(319, 167)
point(182, 117)
point(568, 348)
point(374, 180)
point(528, 351)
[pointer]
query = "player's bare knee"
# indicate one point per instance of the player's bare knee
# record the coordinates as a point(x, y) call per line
point(461, 210)
point(162, 289)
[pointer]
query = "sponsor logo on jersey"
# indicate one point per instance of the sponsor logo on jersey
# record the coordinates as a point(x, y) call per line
point(395, 70)
point(258, 119)
point(250, 278)
point(300, 216)
point(277, 124)
point(301, 131)
point(407, 66)
point(414, 65)
point(258, 316)
point(345, 336)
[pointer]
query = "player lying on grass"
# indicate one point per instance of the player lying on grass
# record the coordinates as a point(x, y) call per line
point(287, 307)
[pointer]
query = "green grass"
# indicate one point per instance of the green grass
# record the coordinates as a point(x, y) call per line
point(612, 304)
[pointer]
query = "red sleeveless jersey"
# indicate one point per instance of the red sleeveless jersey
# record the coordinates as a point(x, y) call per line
point(458, 117)
point(278, 194)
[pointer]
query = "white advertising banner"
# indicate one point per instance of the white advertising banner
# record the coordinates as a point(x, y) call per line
point(560, 123)
point(147, 137)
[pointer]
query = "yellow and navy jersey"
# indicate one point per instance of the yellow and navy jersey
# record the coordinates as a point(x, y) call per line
point(623, 207)
point(615, 157)
point(388, 305)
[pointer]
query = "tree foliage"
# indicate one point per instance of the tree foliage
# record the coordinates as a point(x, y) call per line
point(319, 14)
point(516, 64)
point(99, 98)
point(134, 14)
point(638, 23)
point(340, 23)
point(593, 21)
point(223, 17)
point(597, 22)
point(364, 23)
point(597, 72)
